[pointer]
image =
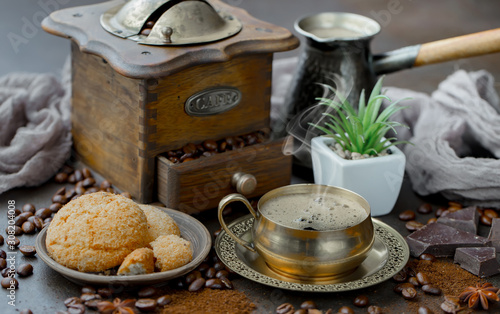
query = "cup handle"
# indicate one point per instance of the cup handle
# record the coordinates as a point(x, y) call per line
point(226, 200)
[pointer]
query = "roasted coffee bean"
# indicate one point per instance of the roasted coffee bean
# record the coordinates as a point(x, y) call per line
point(174, 159)
point(440, 211)
point(71, 178)
point(106, 184)
point(490, 213)
point(88, 182)
point(105, 293)
point(413, 225)
point(424, 310)
point(61, 177)
point(425, 208)
point(47, 220)
point(222, 146)
point(69, 194)
point(92, 304)
point(8, 282)
point(1, 240)
point(427, 257)
point(38, 222)
point(3, 263)
point(400, 276)
point(414, 281)
point(485, 220)
point(25, 270)
point(423, 279)
point(409, 293)
point(218, 265)
point(17, 230)
point(16, 242)
point(374, 309)
point(26, 311)
point(308, 305)
point(56, 206)
point(28, 227)
point(78, 175)
point(61, 191)
point(210, 145)
point(163, 300)
point(147, 292)
point(345, 310)
point(3, 254)
point(87, 173)
point(192, 276)
point(92, 189)
point(189, 149)
point(454, 204)
point(431, 220)
point(407, 215)
point(29, 208)
point(361, 301)
point(171, 153)
point(146, 305)
point(79, 190)
point(43, 213)
point(203, 267)
point(226, 282)
point(90, 296)
point(27, 250)
point(399, 287)
point(210, 273)
point(301, 311)
point(19, 220)
point(5, 272)
point(285, 308)
point(76, 309)
point(88, 289)
point(197, 285)
point(26, 215)
point(72, 300)
point(214, 283)
point(431, 289)
point(222, 273)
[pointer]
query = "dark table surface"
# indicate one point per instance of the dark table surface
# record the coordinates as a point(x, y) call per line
point(404, 23)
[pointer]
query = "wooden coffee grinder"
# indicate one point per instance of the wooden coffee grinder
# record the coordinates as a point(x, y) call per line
point(152, 76)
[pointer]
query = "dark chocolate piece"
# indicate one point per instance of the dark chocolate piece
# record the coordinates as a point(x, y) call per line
point(465, 219)
point(441, 240)
point(481, 261)
point(494, 235)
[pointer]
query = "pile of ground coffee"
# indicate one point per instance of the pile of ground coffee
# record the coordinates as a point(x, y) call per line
point(209, 301)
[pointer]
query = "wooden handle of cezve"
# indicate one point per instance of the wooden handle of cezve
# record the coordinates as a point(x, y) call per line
point(459, 47)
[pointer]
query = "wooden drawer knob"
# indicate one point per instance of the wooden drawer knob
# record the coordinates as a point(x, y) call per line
point(244, 183)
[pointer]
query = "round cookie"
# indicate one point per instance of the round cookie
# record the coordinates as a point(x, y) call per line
point(159, 222)
point(171, 251)
point(96, 232)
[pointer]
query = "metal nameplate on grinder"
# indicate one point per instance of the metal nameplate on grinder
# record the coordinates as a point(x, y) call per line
point(213, 101)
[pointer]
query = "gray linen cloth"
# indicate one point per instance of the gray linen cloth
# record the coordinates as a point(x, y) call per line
point(35, 127)
point(455, 134)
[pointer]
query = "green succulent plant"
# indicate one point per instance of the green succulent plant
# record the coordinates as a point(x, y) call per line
point(362, 130)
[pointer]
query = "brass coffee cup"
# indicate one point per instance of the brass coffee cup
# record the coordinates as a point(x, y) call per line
point(307, 255)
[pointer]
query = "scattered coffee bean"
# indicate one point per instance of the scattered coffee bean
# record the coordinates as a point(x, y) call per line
point(59, 199)
point(163, 300)
point(203, 267)
point(210, 273)
point(414, 281)
point(346, 310)
point(10, 283)
point(61, 191)
point(90, 296)
point(92, 304)
point(17, 230)
point(38, 222)
point(88, 182)
point(485, 220)
point(301, 311)
point(71, 178)
point(27, 250)
point(423, 279)
point(227, 283)
point(3, 263)
point(147, 292)
point(86, 173)
point(407, 215)
point(440, 211)
point(431, 220)
point(425, 208)
point(88, 289)
point(409, 293)
point(146, 305)
point(197, 284)
point(222, 273)
point(5, 272)
point(16, 242)
point(29, 208)
point(424, 310)
point(308, 305)
point(427, 257)
point(285, 308)
point(76, 309)
point(28, 227)
point(47, 220)
point(399, 288)
point(43, 213)
point(105, 293)
point(361, 301)
point(26, 215)
point(106, 184)
point(214, 283)
point(374, 309)
point(19, 220)
point(431, 289)
point(61, 177)
point(26, 311)
point(3, 254)
point(455, 204)
point(413, 225)
point(69, 195)
point(400, 276)
point(192, 276)
point(490, 213)
point(1, 240)
point(56, 206)
point(210, 145)
point(78, 175)
point(72, 300)
point(25, 270)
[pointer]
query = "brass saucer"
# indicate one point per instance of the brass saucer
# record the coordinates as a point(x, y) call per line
point(389, 255)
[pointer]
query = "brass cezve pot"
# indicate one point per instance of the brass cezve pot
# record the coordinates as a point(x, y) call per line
point(307, 255)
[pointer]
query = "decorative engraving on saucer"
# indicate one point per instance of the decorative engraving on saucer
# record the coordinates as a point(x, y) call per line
point(391, 253)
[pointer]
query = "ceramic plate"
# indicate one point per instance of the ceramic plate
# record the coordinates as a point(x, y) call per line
point(388, 256)
point(191, 229)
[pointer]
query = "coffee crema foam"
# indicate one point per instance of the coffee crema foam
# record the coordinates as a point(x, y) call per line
point(320, 212)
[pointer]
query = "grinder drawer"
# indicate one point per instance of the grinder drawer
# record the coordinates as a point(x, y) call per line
point(199, 184)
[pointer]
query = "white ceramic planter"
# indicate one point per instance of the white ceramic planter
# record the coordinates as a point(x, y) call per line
point(377, 179)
